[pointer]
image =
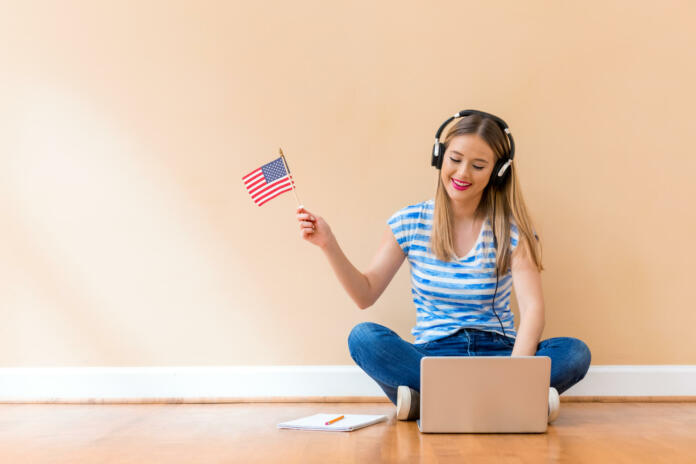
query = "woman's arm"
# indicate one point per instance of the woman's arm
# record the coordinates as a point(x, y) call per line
point(364, 288)
point(530, 299)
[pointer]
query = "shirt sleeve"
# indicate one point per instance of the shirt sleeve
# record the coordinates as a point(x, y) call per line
point(403, 226)
point(514, 235)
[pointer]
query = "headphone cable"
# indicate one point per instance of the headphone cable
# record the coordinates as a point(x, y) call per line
point(495, 243)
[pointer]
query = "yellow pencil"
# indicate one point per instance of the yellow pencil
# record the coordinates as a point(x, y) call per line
point(334, 420)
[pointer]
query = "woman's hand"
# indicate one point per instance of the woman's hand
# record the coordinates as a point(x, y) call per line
point(313, 228)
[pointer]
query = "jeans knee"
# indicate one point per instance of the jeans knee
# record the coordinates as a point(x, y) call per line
point(362, 335)
point(581, 358)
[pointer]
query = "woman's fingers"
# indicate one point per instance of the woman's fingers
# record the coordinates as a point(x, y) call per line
point(308, 223)
point(302, 211)
point(306, 216)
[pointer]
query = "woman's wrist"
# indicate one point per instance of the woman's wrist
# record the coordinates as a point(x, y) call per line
point(330, 245)
point(528, 334)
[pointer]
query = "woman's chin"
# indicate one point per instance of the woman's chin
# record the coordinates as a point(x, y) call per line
point(456, 195)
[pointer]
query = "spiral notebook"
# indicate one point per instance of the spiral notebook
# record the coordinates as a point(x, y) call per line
point(348, 423)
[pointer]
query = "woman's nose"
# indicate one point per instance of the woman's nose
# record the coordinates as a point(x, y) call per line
point(463, 171)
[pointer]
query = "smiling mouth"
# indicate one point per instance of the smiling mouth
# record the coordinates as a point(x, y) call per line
point(459, 185)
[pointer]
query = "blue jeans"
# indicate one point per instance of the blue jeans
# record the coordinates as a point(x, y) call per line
point(392, 361)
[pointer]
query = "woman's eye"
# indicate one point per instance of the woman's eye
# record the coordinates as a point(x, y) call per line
point(478, 168)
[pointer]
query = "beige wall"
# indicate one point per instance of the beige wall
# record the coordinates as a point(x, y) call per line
point(127, 237)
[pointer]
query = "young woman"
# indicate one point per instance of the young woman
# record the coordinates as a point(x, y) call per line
point(467, 248)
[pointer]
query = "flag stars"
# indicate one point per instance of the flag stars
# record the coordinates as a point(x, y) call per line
point(273, 170)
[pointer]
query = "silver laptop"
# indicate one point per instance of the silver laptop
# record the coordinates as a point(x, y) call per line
point(484, 394)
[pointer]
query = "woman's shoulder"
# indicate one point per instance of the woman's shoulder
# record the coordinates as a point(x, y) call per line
point(415, 212)
point(513, 225)
point(423, 206)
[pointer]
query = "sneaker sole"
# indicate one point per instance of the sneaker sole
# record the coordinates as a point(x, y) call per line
point(554, 405)
point(403, 402)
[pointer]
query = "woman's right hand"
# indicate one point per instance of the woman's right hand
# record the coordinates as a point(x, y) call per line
point(313, 228)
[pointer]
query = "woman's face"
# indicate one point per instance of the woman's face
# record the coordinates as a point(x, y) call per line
point(466, 167)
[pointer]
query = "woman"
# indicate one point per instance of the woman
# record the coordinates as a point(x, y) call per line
point(467, 248)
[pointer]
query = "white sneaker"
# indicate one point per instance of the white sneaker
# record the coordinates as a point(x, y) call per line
point(554, 404)
point(407, 403)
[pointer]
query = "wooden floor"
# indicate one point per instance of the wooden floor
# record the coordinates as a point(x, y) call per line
point(247, 433)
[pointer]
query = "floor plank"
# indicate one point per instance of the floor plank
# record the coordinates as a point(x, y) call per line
point(247, 433)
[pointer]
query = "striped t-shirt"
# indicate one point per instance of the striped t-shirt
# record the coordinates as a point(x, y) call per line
point(455, 294)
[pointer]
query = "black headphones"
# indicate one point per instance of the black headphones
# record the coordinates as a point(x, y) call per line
point(500, 172)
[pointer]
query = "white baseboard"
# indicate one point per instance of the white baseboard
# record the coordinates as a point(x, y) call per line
point(142, 383)
point(670, 380)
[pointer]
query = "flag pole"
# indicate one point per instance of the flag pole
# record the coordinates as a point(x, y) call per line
point(292, 182)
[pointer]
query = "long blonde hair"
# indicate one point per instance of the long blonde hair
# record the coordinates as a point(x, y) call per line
point(506, 201)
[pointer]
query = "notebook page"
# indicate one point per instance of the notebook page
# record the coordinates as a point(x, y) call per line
point(349, 422)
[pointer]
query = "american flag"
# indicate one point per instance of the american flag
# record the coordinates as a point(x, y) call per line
point(268, 181)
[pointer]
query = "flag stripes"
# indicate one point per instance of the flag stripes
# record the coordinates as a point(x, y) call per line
point(268, 181)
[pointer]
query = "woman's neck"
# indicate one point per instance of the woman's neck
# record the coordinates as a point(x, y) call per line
point(465, 212)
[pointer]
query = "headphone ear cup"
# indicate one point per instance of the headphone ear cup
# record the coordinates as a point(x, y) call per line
point(437, 160)
point(442, 156)
point(496, 180)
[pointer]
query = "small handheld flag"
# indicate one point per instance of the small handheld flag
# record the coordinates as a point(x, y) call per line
point(269, 181)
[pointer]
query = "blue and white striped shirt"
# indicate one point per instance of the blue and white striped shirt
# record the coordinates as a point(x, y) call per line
point(455, 294)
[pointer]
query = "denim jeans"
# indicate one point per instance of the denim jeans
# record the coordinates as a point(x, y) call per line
point(392, 361)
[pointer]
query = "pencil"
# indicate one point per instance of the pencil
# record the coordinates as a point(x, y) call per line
point(334, 420)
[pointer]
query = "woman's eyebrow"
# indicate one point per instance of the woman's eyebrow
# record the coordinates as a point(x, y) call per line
point(475, 159)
